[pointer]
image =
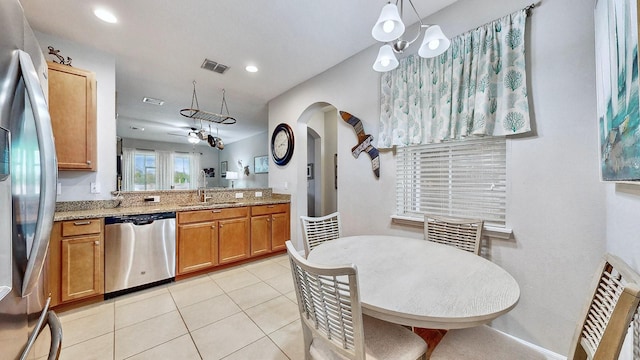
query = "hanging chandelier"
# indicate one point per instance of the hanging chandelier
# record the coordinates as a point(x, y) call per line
point(389, 29)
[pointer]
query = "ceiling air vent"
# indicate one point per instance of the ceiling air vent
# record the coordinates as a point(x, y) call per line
point(153, 101)
point(214, 66)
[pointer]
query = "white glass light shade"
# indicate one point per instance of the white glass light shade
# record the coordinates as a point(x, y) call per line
point(434, 42)
point(389, 25)
point(193, 138)
point(386, 59)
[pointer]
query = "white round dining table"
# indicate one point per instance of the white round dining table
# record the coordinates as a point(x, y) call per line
point(420, 283)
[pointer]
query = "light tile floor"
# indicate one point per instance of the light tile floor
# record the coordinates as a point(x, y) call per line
point(245, 312)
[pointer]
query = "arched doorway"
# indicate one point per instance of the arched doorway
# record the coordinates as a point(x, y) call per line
point(321, 156)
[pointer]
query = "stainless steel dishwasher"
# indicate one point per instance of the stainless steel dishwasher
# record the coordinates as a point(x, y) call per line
point(140, 251)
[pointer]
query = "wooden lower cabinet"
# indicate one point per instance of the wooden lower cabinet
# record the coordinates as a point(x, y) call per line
point(197, 247)
point(207, 238)
point(76, 260)
point(280, 230)
point(270, 228)
point(260, 234)
point(233, 239)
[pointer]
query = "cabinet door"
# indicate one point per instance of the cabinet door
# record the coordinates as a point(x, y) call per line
point(72, 104)
point(197, 247)
point(82, 267)
point(279, 231)
point(260, 234)
point(233, 239)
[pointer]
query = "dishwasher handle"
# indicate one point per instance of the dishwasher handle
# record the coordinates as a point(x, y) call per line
point(143, 222)
point(142, 219)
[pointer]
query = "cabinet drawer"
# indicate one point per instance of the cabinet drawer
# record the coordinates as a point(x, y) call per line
point(187, 217)
point(81, 227)
point(269, 209)
point(229, 213)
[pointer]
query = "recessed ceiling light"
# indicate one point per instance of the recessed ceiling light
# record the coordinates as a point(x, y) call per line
point(105, 15)
point(251, 68)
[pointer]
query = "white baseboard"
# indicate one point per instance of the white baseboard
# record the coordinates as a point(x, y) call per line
point(548, 353)
point(626, 353)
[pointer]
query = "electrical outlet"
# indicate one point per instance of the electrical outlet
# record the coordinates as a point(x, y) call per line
point(59, 189)
point(239, 195)
point(95, 188)
point(258, 194)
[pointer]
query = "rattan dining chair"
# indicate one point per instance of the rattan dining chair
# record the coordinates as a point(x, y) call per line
point(333, 325)
point(465, 234)
point(598, 336)
point(316, 230)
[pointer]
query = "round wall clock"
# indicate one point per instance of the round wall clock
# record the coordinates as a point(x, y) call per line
point(282, 144)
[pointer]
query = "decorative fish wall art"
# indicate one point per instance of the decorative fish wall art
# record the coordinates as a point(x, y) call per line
point(364, 142)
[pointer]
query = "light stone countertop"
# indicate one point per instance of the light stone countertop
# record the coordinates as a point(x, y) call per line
point(152, 207)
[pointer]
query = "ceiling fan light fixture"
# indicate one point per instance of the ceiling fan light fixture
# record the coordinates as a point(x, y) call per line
point(193, 138)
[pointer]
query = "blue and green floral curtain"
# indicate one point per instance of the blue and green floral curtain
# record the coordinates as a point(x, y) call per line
point(477, 87)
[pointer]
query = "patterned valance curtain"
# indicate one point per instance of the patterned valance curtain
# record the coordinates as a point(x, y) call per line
point(476, 88)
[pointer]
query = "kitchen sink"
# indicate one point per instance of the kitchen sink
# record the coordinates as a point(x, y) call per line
point(210, 203)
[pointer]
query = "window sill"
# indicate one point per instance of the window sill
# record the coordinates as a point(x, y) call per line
point(491, 231)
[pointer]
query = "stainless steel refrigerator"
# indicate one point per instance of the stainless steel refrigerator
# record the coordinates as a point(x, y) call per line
point(28, 177)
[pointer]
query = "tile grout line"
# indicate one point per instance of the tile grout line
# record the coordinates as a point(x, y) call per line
point(113, 304)
point(185, 324)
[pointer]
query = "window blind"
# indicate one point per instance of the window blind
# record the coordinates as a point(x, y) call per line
point(457, 178)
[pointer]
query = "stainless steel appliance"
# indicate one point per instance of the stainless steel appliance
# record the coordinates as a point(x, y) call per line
point(28, 176)
point(139, 251)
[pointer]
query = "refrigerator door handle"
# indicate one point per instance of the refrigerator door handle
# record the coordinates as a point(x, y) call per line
point(47, 317)
point(48, 174)
point(56, 335)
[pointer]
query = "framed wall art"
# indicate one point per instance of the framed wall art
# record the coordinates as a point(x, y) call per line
point(261, 164)
point(616, 27)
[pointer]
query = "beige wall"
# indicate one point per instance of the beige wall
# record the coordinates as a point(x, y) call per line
point(556, 203)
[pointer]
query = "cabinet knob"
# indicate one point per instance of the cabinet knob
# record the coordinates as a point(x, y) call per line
point(213, 226)
point(220, 225)
point(88, 162)
point(96, 242)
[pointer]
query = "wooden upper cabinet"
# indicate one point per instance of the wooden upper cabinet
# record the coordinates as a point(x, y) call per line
point(72, 104)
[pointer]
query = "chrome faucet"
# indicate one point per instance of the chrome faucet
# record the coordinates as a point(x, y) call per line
point(202, 191)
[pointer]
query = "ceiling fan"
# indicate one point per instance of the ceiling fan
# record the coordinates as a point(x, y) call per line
point(195, 135)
